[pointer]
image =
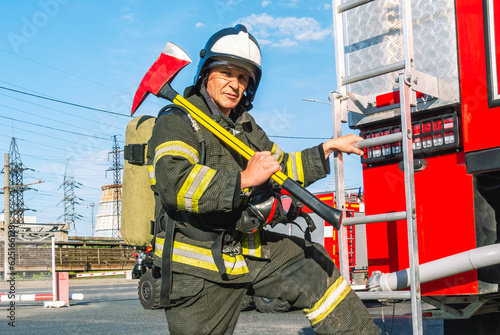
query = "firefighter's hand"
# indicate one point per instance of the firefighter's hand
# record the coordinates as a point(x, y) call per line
point(259, 169)
point(342, 144)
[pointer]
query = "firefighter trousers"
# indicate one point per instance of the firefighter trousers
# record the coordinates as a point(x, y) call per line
point(299, 272)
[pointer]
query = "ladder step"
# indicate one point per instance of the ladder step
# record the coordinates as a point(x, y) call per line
point(351, 4)
point(381, 140)
point(373, 73)
point(374, 218)
point(384, 295)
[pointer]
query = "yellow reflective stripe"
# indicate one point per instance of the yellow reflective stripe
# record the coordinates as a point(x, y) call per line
point(193, 188)
point(182, 204)
point(176, 148)
point(151, 172)
point(202, 258)
point(172, 148)
point(245, 248)
point(333, 296)
point(289, 166)
point(294, 166)
point(277, 153)
point(209, 175)
point(159, 242)
point(299, 167)
point(250, 244)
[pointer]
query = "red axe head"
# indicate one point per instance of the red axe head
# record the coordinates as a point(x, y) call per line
point(163, 71)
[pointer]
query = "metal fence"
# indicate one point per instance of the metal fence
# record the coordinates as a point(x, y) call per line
point(87, 259)
point(28, 260)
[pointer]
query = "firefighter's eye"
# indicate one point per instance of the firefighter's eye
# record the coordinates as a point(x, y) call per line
point(243, 78)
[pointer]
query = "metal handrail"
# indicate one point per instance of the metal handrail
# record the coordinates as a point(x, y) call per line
point(398, 295)
point(373, 73)
point(374, 218)
point(381, 140)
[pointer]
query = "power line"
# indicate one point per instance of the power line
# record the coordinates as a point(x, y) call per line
point(101, 110)
point(52, 128)
point(44, 117)
point(63, 102)
point(52, 109)
point(40, 134)
point(57, 162)
point(54, 159)
point(114, 113)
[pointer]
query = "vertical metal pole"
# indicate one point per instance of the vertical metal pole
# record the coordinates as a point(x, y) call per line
point(338, 163)
point(92, 218)
point(53, 269)
point(338, 29)
point(6, 218)
point(411, 219)
point(408, 98)
point(339, 115)
point(92, 204)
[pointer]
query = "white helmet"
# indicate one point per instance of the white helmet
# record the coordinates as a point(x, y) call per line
point(232, 46)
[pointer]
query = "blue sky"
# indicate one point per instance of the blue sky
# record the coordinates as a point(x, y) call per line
point(95, 53)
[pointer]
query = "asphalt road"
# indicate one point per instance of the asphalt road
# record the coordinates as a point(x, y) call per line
point(112, 307)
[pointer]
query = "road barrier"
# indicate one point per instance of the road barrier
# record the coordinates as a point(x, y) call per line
point(35, 297)
point(97, 274)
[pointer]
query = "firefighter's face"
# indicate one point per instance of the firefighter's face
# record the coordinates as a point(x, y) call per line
point(226, 87)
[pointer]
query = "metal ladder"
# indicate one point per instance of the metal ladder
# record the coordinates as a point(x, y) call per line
point(339, 102)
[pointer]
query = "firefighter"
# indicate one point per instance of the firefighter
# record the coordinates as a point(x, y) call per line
point(211, 249)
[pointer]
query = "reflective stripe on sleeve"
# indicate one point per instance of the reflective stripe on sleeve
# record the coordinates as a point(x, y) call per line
point(193, 188)
point(176, 148)
point(250, 244)
point(151, 173)
point(172, 148)
point(294, 166)
point(202, 258)
point(277, 153)
point(333, 296)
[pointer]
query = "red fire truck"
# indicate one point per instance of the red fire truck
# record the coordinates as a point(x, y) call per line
point(444, 118)
point(328, 237)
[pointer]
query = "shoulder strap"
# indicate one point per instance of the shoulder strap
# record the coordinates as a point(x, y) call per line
point(175, 109)
point(184, 114)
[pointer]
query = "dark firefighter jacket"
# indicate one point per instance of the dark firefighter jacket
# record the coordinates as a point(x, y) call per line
point(206, 197)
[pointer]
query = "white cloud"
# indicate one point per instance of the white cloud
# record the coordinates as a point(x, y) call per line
point(284, 31)
point(266, 3)
point(289, 3)
point(199, 25)
point(128, 17)
point(285, 43)
point(263, 41)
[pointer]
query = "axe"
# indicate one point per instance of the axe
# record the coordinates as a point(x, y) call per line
point(157, 81)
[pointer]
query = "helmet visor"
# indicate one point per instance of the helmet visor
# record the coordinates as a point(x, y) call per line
point(226, 64)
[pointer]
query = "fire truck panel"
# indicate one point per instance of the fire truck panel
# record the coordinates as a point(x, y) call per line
point(378, 42)
point(479, 45)
point(445, 213)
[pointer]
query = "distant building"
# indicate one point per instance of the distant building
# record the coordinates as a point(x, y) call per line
point(108, 216)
